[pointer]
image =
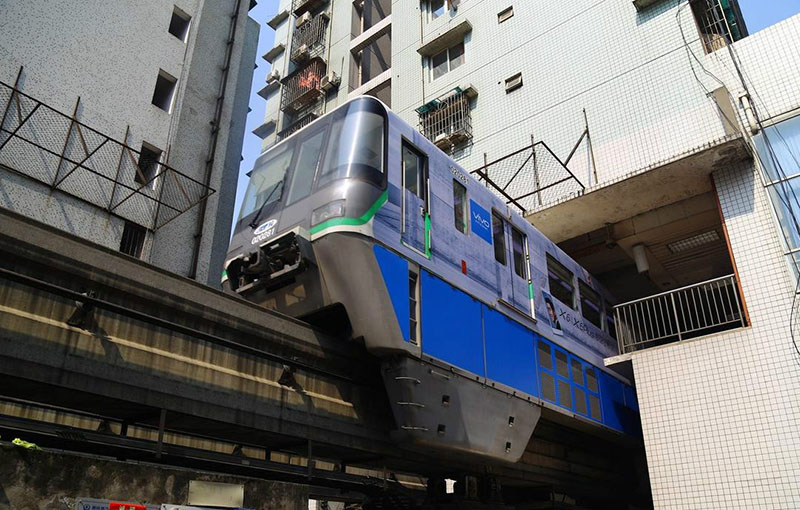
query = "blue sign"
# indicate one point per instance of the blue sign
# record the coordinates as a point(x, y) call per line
point(481, 221)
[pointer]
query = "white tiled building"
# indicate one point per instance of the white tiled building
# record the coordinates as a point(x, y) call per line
point(155, 84)
point(659, 121)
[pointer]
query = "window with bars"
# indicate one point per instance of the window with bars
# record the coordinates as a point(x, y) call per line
point(719, 22)
point(447, 121)
point(132, 242)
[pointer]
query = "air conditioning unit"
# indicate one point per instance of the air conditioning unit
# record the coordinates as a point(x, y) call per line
point(443, 141)
point(273, 75)
point(330, 81)
point(301, 53)
point(302, 20)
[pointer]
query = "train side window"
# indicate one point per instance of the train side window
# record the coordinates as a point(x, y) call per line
point(460, 206)
point(413, 171)
point(518, 241)
point(545, 356)
point(591, 304)
point(499, 238)
point(561, 282)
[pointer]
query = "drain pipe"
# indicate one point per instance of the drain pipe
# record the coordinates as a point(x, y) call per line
point(212, 148)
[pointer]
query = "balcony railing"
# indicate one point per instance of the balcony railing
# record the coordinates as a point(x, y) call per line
point(55, 149)
point(689, 312)
point(302, 88)
point(308, 40)
point(446, 121)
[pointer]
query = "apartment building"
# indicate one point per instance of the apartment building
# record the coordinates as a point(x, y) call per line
point(657, 142)
point(122, 122)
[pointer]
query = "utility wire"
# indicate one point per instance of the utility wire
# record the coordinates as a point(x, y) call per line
point(775, 160)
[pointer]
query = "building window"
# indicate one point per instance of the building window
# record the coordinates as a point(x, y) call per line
point(513, 83)
point(518, 241)
point(778, 149)
point(719, 23)
point(505, 14)
point(436, 8)
point(149, 158)
point(561, 283)
point(179, 24)
point(460, 206)
point(132, 240)
point(164, 91)
point(499, 238)
point(591, 304)
point(447, 60)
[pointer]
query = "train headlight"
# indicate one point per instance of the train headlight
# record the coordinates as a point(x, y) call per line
point(330, 210)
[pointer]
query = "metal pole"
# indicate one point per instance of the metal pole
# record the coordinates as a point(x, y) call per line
point(675, 312)
point(536, 171)
point(591, 149)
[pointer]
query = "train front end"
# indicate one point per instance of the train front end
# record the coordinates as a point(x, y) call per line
point(330, 177)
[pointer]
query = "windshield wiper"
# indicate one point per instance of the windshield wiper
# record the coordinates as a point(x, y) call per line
point(254, 223)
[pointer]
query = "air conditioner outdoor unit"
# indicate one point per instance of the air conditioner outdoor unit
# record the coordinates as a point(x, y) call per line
point(302, 20)
point(443, 141)
point(330, 81)
point(301, 53)
point(273, 75)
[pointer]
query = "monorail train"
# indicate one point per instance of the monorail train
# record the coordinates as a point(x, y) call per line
point(479, 320)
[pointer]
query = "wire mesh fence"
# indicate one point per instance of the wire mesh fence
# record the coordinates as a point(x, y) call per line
point(530, 178)
point(55, 149)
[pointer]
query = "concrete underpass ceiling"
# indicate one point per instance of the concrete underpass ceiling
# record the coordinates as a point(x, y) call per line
point(607, 252)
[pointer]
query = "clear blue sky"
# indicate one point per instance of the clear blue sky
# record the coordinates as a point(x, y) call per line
point(758, 15)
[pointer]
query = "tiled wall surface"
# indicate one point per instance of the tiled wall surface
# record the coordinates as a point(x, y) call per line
point(720, 414)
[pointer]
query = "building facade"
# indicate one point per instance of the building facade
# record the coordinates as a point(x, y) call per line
point(656, 142)
point(123, 122)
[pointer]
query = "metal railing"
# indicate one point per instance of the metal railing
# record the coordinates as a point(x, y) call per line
point(301, 89)
point(55, 149)
point(447, 120)
point(689, 312)
point(297, 126)
point(309, 39)
point(530, 177)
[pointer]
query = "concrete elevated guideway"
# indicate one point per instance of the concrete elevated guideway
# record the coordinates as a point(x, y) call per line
point(157, 367)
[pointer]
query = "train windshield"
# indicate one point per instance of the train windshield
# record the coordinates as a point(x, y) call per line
point(266, 181)
point(355, 149)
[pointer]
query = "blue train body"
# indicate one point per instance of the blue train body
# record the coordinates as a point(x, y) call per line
point(447, 285)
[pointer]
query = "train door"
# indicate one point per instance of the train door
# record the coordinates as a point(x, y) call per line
point(416, 218)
